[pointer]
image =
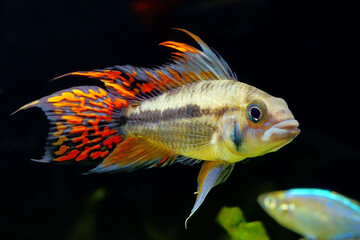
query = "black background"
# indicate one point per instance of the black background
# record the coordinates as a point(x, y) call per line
point(302, 51)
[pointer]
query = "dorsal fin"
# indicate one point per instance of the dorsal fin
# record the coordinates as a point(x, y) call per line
point(200, 65)
point(189, 65)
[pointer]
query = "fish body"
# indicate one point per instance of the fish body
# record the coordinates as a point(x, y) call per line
point(187, 121)
point(314, 213)
point(188, 111)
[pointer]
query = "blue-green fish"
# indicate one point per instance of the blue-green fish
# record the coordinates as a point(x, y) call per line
point(314, 213)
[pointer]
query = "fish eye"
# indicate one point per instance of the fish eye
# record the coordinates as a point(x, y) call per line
point(255, 111)
point(270, 202)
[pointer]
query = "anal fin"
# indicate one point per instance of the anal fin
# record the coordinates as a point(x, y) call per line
point(211, 174)
point(134, 153)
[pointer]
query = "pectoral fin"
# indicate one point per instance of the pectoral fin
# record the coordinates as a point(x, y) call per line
point(211, 174)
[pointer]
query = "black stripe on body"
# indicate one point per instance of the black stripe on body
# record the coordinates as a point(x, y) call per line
point(236, 136)
point(187, 111)
point(178, 129)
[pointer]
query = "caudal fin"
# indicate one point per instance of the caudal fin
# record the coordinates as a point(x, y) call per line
point(84, 123)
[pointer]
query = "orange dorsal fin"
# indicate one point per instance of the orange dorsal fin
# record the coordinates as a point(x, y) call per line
point(189, 65)
point(134, 153)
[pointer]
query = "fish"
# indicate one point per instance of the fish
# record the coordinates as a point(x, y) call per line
point(189, 110)
point(314, 213)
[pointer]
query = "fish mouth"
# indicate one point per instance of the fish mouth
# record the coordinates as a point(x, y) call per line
point(260, 200)
point(282, 130)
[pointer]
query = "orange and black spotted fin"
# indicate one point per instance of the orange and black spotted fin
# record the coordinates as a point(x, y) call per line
point(211, 174)
point(189, 65)
point(134, 153)
point(84, 123)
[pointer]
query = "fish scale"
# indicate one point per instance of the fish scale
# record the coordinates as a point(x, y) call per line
point(180, 125)
point(208, 94)
point(179, 136)
point(189, 126)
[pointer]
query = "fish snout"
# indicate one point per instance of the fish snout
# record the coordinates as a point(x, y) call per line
point(267, 201)
point(282, 114)
point(287, 129)
point(260, 200)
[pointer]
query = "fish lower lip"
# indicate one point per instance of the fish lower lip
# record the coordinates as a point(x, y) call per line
point(283, 129)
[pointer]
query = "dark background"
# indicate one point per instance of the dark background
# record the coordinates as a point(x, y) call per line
point(302, 51)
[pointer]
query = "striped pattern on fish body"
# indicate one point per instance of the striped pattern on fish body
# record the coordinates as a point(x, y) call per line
point(188, 111)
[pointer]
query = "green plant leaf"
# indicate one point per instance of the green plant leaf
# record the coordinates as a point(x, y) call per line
point(233, 221)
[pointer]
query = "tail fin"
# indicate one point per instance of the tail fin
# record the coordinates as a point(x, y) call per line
point(84, 123)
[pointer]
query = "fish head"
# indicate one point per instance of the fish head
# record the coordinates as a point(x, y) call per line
point(279, 207)
point(265, 125)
